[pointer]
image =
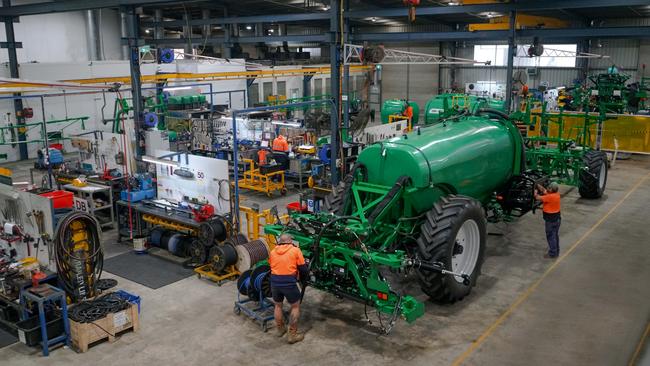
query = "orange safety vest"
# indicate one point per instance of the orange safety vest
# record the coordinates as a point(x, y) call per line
point(285, 259)
point(261, 156)
point(409, 112)
point(280, 144)
point(551, 203)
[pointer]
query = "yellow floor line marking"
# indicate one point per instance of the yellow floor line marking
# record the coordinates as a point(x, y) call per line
point(476, 344)
point(640, 346)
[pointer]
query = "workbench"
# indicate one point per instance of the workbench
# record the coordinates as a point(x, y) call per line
point(182, 217)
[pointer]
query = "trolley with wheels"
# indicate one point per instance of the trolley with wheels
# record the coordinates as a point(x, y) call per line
point(265, 179)
point(253, 291)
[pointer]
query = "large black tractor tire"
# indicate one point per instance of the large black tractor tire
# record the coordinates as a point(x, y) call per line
point(440, 241)
point(333, 202)
point(594, 179)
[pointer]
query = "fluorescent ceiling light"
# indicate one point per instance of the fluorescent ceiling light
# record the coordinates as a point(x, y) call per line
point(248, 27)
point(287, 124)
point(158, 161)
point(178, 88)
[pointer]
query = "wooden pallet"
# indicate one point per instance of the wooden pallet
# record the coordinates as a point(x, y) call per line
point(83, 335)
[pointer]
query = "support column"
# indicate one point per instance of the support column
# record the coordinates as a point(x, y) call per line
point(306, 85)
point(158, 30)
point(13, 70)
point(583, 63)
point(93, 42)
point(512, 49)
point(226, 52)
point(133, 31)
point(207, 32)
point(335, 91)
point(187, 33)
point(346, 77)
point(124, 33)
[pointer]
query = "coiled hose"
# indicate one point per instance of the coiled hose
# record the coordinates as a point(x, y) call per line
point(78, 254)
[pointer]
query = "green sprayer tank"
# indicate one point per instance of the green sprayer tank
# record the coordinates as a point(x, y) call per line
point(418, 202)
point(472, 156)
point(393, 107)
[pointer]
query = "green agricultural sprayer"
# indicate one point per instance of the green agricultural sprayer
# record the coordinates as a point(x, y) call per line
point(419, 204)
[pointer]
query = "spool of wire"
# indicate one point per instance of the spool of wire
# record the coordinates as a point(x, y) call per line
point(260, 283)
point(150, 120)
point(213, 230)
point(166, 55)
point(156, 236)
point(243, 282)
point(222, 256)
point(250, 253)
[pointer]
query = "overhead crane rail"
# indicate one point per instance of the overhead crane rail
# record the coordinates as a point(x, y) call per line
point(157, 78)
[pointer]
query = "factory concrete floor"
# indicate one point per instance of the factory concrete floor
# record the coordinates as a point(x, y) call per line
point(589, 307)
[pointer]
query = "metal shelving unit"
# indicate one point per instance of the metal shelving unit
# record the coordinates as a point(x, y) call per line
point(105, 213)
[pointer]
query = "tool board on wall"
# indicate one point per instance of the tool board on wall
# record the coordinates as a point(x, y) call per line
point(99, 150)
point(34, 216)
point(208, 180)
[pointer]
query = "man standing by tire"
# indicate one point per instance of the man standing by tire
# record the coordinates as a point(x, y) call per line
point(550, 199)
point(287, 262)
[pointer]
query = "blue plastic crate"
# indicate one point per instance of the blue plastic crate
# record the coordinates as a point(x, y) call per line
point(133, 299)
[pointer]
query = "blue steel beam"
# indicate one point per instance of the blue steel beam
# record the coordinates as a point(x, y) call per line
point(546, 34)
point(335, 91)
point(530, 5)
point(218, 40)
point(61, 6)
point(280, 18)
point(75, 5)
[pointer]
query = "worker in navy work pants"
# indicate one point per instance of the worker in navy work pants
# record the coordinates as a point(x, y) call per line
point(287, 262)
point(550, 199)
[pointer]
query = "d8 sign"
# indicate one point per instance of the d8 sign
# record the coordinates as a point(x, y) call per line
point(81, 204)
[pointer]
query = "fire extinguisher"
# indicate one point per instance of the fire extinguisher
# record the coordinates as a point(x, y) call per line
point(412, 4)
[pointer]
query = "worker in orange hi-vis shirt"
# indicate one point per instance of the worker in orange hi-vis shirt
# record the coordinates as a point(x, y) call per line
point(280, 144)
point(287, 267)
point(409, 112)
point(550, 199)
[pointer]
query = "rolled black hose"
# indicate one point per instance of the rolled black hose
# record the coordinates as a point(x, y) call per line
point(90, 262)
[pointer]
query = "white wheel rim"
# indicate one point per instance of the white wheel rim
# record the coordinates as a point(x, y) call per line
point(602, 175)
point(469, 238)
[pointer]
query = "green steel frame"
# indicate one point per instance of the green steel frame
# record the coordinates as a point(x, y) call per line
point(561, 157)
point(368, 249)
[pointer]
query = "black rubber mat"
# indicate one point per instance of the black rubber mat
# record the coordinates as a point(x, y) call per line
point(7, 339)
point(145, 269)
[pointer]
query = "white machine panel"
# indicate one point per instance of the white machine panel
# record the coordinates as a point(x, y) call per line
point(209, 182)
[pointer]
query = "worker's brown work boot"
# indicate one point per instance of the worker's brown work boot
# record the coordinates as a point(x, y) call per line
point(281, 328)
point(294, 336)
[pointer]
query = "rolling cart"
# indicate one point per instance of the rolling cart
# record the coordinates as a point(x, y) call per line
point(256, 306)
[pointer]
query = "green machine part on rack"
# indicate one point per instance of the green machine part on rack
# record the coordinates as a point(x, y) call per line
point(417, 203)
point(20, 129)
point(568, 159)
point(446, 105)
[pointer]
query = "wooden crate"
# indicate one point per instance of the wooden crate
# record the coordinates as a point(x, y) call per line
point(85, 334)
